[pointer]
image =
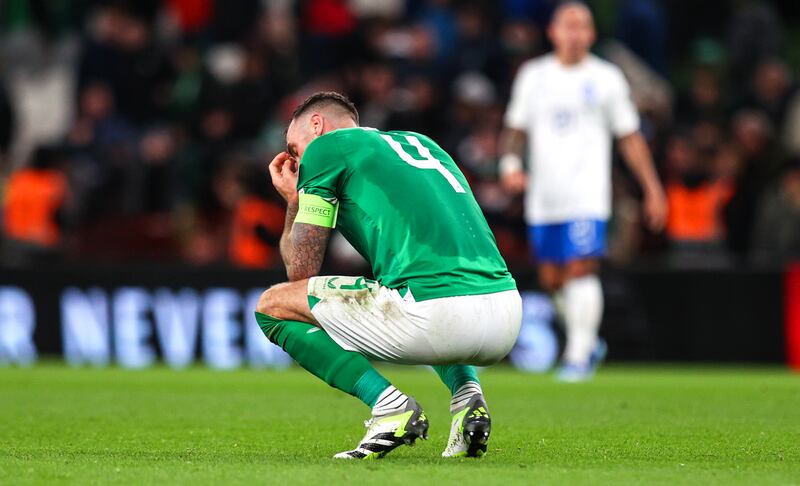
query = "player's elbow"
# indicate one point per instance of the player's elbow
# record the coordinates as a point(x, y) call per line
point(295, 274)
point(632, 142)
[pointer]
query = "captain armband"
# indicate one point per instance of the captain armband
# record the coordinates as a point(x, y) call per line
point(313, 209)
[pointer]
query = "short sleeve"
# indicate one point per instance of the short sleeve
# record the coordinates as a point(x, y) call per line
point(321, 168)
point(622, 114)
point(517, 113)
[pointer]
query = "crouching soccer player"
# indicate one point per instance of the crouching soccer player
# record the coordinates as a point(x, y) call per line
point(443, 295)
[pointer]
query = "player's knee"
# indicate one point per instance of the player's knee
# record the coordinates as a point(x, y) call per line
point(580, 268)
point(548, 285)
point(268, 303)
point(264, 303)
point(549, 282)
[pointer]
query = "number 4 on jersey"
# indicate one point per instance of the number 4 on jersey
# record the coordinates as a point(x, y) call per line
point(428, 162)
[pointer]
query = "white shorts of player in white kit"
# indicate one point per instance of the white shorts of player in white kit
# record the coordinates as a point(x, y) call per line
point(389, 325)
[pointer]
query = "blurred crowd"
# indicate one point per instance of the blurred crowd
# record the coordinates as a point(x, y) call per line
point(139, 131)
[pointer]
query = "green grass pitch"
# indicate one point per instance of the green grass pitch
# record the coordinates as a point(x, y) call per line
point(632, 425)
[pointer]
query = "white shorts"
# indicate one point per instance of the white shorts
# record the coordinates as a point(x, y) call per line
point(380, 323)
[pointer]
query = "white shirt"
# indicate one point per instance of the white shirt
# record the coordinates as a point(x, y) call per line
point(570, 114)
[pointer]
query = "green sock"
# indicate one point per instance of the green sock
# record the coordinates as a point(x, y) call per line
point(456, 376)
point(315, 351)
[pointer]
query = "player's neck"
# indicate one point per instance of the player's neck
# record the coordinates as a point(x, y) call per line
point(338, 125)
point(567, 60)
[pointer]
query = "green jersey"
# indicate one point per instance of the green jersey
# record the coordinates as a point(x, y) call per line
point(407, 208)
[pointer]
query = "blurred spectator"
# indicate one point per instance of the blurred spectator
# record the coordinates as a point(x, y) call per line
point(703, 101)
point(771, 90)
point(437, 16)
point(152, 178)
point(521, 40)
point(191, 16)
point(696, 194)
point(753, 136)
point(328, 28)
point(755, 33)
point(417, 108)
point(776, 238)
point(120, 51)
point(256, 223)
point(32, 208)
point(39, 80)
point(185, 91)
point(477, 47)
point(103, 146)
point(377, 95)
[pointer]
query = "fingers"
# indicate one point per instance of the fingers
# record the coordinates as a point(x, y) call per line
point(283, 171)
point(276, 166)
point(282, 167)
point(289, 168)
point(281, 157)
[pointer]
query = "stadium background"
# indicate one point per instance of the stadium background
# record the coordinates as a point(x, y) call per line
point(138, 220)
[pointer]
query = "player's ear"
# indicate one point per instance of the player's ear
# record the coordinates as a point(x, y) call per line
point(316, 121)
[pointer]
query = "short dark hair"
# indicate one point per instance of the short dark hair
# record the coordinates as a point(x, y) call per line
point(324, 99)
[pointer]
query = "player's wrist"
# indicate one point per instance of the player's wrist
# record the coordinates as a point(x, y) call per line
point(510, 163)
point(291, 197)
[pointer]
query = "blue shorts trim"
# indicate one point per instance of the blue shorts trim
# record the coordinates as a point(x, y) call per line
point(572, 240)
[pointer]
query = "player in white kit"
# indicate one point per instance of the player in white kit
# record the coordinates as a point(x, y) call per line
point(567, 106)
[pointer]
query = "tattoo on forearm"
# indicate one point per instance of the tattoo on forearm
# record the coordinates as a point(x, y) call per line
point(291, 213)
point(308, 243)
point(302, 246)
